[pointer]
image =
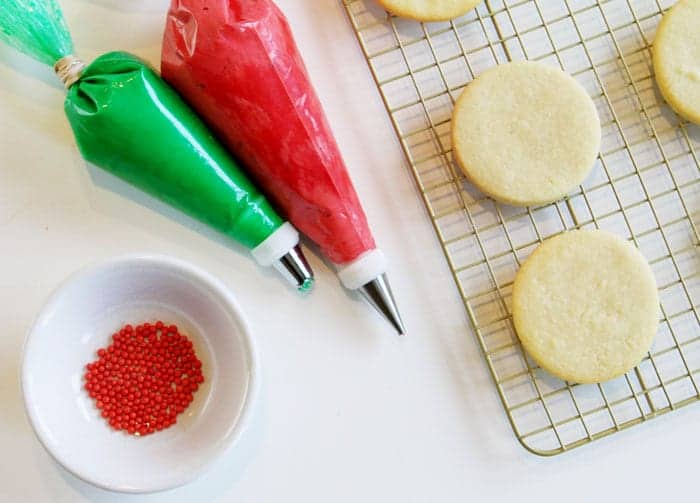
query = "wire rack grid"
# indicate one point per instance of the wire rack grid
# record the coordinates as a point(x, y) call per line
point(644, 187)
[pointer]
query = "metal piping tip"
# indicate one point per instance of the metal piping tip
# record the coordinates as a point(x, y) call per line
point(378, 293)
point(296, 269)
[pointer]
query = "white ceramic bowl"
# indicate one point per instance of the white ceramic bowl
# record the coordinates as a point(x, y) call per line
point(80, 317)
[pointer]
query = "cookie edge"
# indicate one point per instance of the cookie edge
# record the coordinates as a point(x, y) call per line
point(410, 14)
point(517, 310)
point(660, 77)
point(522, 203)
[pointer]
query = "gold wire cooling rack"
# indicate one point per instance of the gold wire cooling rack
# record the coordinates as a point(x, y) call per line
point(645, 187)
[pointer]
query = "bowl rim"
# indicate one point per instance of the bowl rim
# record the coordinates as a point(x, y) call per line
point(229, 301)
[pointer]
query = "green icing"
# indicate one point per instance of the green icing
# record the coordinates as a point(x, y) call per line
point(307, 285)
point(128, 121)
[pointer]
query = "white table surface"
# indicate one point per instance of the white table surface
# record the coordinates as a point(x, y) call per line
point(348, 411)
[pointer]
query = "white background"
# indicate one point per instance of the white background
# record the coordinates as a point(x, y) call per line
point(348, 411)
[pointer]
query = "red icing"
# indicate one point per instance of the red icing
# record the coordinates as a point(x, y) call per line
point(237, 64)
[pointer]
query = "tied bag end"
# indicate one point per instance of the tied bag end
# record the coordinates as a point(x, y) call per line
point(69, 69)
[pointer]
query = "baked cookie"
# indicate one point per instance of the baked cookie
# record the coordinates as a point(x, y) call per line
point(585, 306)
point(525, 133)
point(676, 55)
point(429, 10)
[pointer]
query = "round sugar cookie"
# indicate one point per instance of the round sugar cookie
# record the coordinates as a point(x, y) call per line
point(525, 133)
point(429, 10)
point(676, 56)
point(585, 306)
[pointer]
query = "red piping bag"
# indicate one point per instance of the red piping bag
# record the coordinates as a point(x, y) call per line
point(236, 63)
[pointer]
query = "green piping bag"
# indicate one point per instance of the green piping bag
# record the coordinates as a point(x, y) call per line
point(129, 122)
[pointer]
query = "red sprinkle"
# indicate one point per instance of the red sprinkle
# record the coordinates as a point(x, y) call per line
point(145, 378)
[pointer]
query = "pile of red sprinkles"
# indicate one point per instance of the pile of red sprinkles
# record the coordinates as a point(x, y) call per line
point(144, 378)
